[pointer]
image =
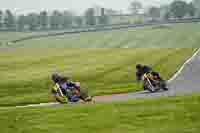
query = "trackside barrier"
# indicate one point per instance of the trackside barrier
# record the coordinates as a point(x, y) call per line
point(108, 28)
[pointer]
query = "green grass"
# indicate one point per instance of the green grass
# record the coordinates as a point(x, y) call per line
point(26, 68)
point(175, 36)
point(25, 72)
point(165, 115)
point(9, 36)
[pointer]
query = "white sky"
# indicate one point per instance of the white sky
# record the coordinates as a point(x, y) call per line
point(78, 6)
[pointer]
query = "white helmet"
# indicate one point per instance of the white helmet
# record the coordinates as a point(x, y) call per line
point(78, 84)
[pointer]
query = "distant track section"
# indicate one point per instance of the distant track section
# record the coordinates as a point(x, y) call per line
point(99, 28)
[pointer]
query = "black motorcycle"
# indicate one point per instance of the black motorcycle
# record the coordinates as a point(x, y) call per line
point(154, 83)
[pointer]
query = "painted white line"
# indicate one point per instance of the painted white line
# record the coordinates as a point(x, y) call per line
point(30, 105)
point(37, 105)
point(183, 66)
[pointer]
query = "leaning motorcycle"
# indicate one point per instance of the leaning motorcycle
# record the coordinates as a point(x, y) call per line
point(72, 96)
point(153, 84)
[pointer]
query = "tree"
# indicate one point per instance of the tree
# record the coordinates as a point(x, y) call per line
point(21, 22)
point(178, 8)
point(196, 4)
point(154, 12)
point(56, 19)
point(9, 20)
point(103, 19)
point(89, 16)
point(1, 19)
point(79, 21)
point(191, 9)
point(43, 19)
point(135, 7)
point(67, 19)
point(33, 21)
point(165, 12)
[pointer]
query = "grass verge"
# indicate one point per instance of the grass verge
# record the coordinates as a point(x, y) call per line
point(169, 114)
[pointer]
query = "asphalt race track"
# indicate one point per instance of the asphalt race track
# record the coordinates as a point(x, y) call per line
point(185, 81)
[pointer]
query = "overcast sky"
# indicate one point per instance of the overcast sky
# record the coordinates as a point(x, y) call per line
point(24, 6)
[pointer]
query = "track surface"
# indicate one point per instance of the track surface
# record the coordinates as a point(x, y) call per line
point(185, 81)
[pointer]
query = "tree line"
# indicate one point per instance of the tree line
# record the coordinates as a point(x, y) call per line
point(176, 9)
point(66, 19)
point(45, 20)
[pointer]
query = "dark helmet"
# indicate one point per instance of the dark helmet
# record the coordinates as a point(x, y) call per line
point(64, 79)
point(138, 66)
point(56, 77)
